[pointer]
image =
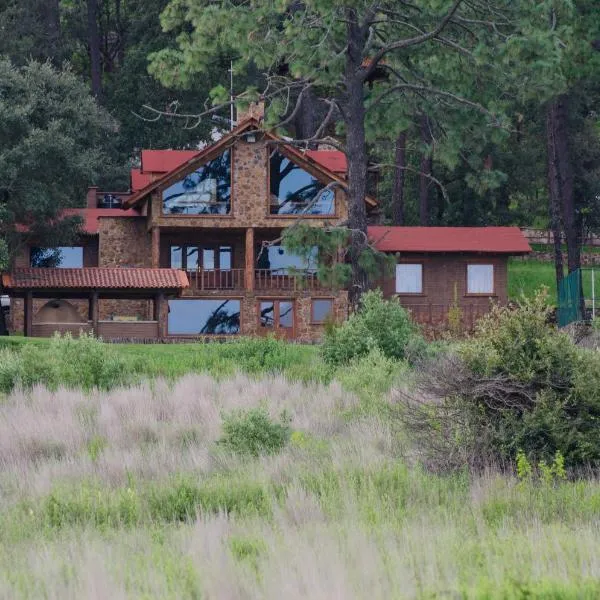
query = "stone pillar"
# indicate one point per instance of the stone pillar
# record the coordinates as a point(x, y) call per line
point(249, 275)
point(28, 317)
point(161, 314)
point(93, 312)
point(155, 247)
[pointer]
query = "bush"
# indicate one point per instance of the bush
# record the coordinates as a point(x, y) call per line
point(379, 323)
point(253, 433)
point(519, 384)
point(85, 362)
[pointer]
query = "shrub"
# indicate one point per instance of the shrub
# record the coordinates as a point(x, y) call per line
point(519, 384)
point(379, 323)
point(85, 362)
point(253, 433)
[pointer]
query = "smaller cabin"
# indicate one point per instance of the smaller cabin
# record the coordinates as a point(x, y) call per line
point(445, 271)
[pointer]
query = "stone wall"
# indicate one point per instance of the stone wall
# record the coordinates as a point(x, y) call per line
point(124, 242)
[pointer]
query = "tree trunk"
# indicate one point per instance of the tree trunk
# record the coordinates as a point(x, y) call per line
point(94, 44)
point(51, 18)
point(426, 168)
point(356, 152)
point(554, 193)
point(306, 122)
point(399, 178)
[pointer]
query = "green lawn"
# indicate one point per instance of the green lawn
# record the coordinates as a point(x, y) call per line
point(527, 276)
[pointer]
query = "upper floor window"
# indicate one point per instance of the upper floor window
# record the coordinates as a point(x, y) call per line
point(194, 257)
point(206, 191)
point(480, 279)
point(409, 278)
point(64, 257)
point(294, 191)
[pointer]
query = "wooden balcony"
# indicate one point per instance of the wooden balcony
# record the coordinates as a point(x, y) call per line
point(264, 280)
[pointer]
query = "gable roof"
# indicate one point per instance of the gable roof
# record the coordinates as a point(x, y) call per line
point(95, 278)
point(139, 180)
point(226, 141)
point(491, 240)
point(164, 161)
point(334, 160)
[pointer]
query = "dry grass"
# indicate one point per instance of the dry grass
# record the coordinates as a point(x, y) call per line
point(342, 518)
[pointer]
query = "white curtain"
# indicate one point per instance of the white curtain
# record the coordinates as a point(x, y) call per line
point(409, 279)
point(480, 279)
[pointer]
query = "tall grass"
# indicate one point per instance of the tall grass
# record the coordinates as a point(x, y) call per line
point(126, 493)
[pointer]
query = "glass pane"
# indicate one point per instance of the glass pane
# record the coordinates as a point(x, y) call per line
point(409, 279)
point(278, 260)
point(295, 191)
point(286, 315)
point(63, 257)
point(208, 259)
point(204, 317)
point(225, 253)
point(321, 310)
point(206, 191)
point(267, 314)
point(480, 279)
point(176, 257)
point(191, 258)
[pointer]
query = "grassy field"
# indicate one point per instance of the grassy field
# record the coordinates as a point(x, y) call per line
point(131, 493)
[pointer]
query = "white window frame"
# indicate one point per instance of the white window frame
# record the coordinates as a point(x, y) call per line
point(409, 289)
point(477, 287)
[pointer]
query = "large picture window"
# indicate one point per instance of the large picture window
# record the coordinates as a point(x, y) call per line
point(480, 279)
point(204, 317)
point(63, 257)
point(409, 279)
point(277, 260)
point(206, 191)
point(294, 191)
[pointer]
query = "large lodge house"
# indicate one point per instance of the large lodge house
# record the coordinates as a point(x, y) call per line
point(181, 255)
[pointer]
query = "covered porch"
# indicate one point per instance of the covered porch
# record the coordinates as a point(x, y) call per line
point(92, 285)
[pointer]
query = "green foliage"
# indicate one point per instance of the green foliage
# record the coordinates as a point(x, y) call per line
point(85, 362)
point(253, 433)
point(378, 323)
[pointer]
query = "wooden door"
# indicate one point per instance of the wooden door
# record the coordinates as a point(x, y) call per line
point(277, 317)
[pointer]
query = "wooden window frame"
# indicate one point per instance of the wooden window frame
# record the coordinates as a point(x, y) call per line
point(276, 302)
point(481, 263)
point(314, 321)
point(191, 336)
point(201, 247)
point(411, 294)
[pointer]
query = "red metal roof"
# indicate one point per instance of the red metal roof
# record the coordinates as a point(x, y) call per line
point(139, 180)
point(91, 216)
point(493, 240)
point(95, 278)
point(334, 160)
point(164, 161)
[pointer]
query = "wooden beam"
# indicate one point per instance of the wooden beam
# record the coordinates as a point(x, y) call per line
point(155, 247)
point(93, 312)
point(160, 315)
point(250, 259)
point(28, 315)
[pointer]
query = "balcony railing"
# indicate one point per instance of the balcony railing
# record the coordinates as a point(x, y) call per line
point(217, 279)
point(264, 279)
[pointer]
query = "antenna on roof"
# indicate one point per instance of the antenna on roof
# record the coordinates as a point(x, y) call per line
point(231, 94)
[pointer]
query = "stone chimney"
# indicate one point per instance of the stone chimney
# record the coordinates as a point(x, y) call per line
point(256, 110)
point(92, 197)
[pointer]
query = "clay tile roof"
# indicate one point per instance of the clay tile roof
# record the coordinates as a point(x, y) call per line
point(334, 160)
point(492, 240)
point(164, 161)
point(95, 278)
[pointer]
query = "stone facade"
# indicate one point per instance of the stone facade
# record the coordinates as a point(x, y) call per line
point(124, 242)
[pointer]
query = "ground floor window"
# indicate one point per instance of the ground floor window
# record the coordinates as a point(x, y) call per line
point(480, 279)
point(409, 278)
point(204, 317)
point(276, 314)
point(322, 309)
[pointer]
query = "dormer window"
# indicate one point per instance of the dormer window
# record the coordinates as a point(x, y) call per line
point(205, 191)
point(294, 191)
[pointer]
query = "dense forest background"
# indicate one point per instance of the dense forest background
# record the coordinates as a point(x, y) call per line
point(436, 166)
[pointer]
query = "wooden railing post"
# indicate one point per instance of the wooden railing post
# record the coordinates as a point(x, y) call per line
point(250, 259)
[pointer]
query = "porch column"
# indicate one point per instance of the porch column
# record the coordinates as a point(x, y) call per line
point(28, 314)
point(159, 315)
point(93, 312)
point(249, 259)
point(155, 247)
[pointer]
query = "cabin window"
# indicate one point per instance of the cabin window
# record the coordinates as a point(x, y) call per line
point(63, 257)
point(204, 317)
point(192, 257)
point(294, 191)
point(279, 261)
point(409, 279)
point(322, 309)
point(206, 191)
point(480, 279)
